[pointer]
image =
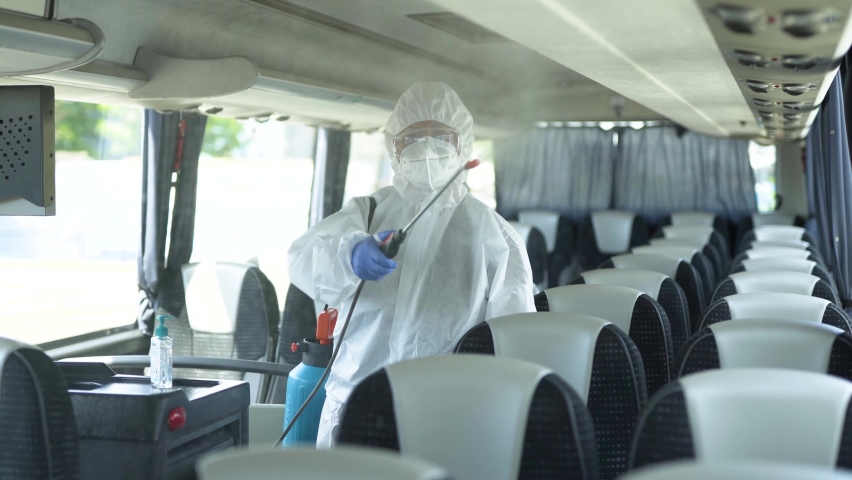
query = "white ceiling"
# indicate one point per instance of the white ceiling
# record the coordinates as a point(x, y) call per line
point(563, 60)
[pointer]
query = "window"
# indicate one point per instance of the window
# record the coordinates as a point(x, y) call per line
point(75, 273)
point(480, 180)
point(370, 168)
point(369, 165)
point(762, 160)
point(254, 193)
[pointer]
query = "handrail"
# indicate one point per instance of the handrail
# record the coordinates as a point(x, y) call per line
point(204, 363)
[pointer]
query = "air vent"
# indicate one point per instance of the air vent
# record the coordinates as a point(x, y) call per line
point(796, 89)
point(795, 117)
point(799, 62)
point(459, 27)
point(796, 105)
point(750, 59)
point(759, 86)
point(807, 23)
point(762, 103)
point(766, 115)
point(741, 19)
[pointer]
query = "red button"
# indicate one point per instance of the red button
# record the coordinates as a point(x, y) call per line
point(177, 418)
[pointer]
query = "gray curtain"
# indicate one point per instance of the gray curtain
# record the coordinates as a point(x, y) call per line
point(569, 170)
point(169, 146)
point(659, 171)
point(157, 154)
point(331, 162)
point(191, 131)
point(829, 180)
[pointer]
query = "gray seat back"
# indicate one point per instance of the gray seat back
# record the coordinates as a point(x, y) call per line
point(686, 276)
point(40, 439)
point(778, 281)
point(711, 252)
point(633, 311)
point(607, 233)
point(745, 414)
point(352, 463)
point(692, 255)
point(778, 252)
point(736, 470)
point(769, 343)
point(784, 306)
point(706, 234)
point(558, 234)
point(658, 286)
point(479, 417)
point(594, 356)
point(222, 310)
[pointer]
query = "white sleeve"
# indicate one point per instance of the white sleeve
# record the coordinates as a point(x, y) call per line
point(512, 287)
point(320, 260)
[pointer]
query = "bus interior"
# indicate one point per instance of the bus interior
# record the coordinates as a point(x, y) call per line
point(678, 171)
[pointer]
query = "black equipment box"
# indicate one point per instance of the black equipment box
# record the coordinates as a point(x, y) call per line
point(132, 431)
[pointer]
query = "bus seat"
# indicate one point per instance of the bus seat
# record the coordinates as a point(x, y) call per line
point(712, 253)
point(705, 234)
point(558, 233)
point(692, 255)
point(607, 233)
point(774, 218)
point(782, 263)
point(480, 417)
point(738, 470)
point(221, 310)
point(779, 306)
point(706, 219)
point(778, 281)
point(660, 287)
point(680, 270)
point(759, 220)
point(769, 343)
point(536, 251)
point(800, 244)
point(40, 439)
point(594, 356)
point(748, 414)
point(633, 311)
point(298, 322)
point(350, 463)
point(771, 252)
point(779, 232)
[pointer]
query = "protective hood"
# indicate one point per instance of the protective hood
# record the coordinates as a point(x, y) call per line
point(437, 102)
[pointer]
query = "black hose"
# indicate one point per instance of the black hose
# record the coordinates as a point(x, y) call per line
point(322, 379)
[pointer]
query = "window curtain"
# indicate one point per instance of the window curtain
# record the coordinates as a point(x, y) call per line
point(569, 170)
point(171, 144)
point(188, 151)
point(659, 171)
point(829, 182)
point(331, 162)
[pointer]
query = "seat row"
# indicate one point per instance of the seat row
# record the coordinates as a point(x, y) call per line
point(555, 251)
point(586, 402)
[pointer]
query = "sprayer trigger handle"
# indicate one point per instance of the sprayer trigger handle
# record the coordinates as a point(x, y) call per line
point(390, 247)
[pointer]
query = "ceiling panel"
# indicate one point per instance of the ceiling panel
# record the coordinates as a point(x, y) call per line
point(659, 53)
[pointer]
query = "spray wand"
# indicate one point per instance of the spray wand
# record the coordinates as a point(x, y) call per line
point(390, 247)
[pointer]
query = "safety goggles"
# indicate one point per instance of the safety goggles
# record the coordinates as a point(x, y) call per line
point(444, 134)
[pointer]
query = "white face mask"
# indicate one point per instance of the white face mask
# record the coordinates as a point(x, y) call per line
point(429, 163)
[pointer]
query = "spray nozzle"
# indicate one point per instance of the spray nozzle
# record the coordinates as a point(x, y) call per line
point(161, 330)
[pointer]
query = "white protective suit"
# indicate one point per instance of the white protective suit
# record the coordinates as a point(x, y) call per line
point(460, 264)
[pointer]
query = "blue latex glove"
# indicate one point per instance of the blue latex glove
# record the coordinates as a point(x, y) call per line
point(368, 261)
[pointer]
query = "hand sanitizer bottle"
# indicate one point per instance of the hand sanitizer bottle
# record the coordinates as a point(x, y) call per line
point(161, 355)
